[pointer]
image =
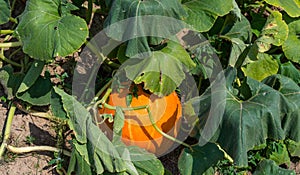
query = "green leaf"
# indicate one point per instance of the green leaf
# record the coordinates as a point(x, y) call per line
point(275, 32)
point(267, 167)
point(290, 110)
point(145, 162)
point(78, 165)
point(236, 133)
point(47, 30)
point(261, 68)
point(241, 29)
point(153, 72)
point(289, 70)
point(98, 152)
point(39, 93)
point(31, 76)
point(277, 151)
point(118, 123)
point(293, 147)
point(10, 80)
point(147, 23)
point(5, 11)
point(76, 123)
point(291, 45)
point(200, 159)
point(292, 7)
point(56, 106)
point(202, 14)
point(238, 46)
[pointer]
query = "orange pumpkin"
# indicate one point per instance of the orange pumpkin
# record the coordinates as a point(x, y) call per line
point(138, 130)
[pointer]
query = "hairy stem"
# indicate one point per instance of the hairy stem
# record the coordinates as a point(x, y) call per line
point(21, 150)
point(7, 130)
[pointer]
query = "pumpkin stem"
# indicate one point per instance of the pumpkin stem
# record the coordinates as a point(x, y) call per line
point(163, 133)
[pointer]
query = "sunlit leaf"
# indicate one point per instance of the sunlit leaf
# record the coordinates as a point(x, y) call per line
point(266, 167)
point(202, 14)
point(291, 45)
point(292, 7)
point(163, 71)
point(261, 68)
point(293, 147)
point(47, 29)
point(275, 32)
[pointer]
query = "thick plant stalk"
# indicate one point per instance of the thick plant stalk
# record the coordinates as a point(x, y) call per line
point(10, 44)
point(6, 32)
point(7, 129)
point(21, 150)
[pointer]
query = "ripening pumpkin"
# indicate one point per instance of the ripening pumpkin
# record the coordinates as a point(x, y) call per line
point(138, 130)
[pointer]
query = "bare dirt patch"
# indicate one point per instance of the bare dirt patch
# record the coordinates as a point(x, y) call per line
point(27, 131)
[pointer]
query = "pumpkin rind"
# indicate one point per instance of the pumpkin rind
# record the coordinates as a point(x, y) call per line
point(138, 130)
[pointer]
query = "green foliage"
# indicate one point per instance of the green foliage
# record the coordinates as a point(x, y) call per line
point(202, 14)
point(95, 153)
point(47, 29)
point(5, 11)
point(291, 45)
point(256, 110)
point(269, 167)
point(292, 7)
point(155, 75)
point(147, 28)
point(197, 161)
point(256, 122)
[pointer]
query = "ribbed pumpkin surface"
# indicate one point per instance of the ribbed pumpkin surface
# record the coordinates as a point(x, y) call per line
point(138, 129)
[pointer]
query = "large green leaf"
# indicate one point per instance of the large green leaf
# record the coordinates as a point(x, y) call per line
point(202, 14)
point(5, 11)
point(249, 120)
point(275, 32)
point(291, 45)
point(148, 22)
point(47, 29)
point(292, 7)
point(163, 71)
point(268, 167)
point(200, 159)
point(290, 110)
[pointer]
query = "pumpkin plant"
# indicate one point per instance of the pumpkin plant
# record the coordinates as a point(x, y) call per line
point(255, 79)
